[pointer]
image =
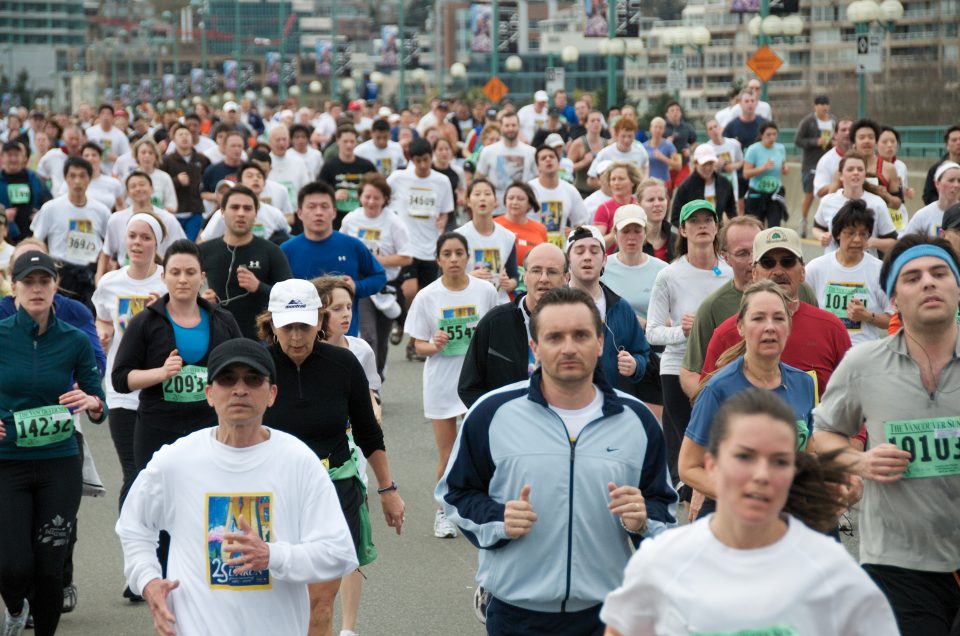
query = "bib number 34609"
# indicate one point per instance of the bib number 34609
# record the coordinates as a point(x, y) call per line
point(186, 386)
point(43, 426)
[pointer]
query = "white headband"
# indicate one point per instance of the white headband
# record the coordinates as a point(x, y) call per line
point(151, 221)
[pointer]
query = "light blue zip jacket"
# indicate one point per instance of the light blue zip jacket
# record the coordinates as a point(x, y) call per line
point(576, 551)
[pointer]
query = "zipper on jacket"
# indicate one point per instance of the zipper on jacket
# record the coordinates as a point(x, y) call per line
point(573, 457)
point(299, 382)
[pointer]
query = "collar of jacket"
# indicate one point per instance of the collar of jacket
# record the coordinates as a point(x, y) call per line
point(160, 306)
point(29, 326)
point(611, 402)
point(610, 297)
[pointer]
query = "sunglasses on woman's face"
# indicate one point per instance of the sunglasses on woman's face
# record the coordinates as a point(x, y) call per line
point(229, 380)
point(786, 262)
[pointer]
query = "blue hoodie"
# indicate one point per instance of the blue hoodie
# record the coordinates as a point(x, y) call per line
point(622, 330)
point(576, 551)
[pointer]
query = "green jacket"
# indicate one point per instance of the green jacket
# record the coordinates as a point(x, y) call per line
point(35, 370)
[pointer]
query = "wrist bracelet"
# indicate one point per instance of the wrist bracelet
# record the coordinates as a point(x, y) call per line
point(391, 487)
point(642, 529)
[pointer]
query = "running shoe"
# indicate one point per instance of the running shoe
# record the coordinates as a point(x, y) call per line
point(396, 334)
point(69, 598)
point(803, 228)
point(481, 598)
point(14, 625)
point(347, 632)
point(443, 528)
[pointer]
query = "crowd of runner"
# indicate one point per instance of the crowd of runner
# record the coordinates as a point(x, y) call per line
point(652, 413)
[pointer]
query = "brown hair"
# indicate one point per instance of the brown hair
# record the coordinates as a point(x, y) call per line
point(626, 123)
point(853, 155)
point(633, 173)
point(325, 286)
point(376, 180)
point(815, 494)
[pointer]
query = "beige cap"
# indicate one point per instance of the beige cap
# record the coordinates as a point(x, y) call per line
point(776, 238)
point(627, 214)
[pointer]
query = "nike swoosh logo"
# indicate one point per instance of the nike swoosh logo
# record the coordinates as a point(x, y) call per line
point(610, 450)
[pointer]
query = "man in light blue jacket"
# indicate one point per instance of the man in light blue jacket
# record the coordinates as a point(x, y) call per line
point(557, 479)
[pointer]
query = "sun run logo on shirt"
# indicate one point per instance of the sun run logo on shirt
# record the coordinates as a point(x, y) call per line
point(224, 511)
point(487, 258)
point(384, 166)
point(81, 225)
point(128, 307)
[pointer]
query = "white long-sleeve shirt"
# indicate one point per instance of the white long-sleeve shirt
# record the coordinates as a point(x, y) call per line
point(196, 489)
point(679, 289)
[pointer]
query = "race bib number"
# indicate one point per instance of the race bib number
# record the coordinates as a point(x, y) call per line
point(82, 244)
point(837, 295)
point(934, 445)
point(43, 426)
point(776, 630)
point(291, 191)
point(898, 217)
point(260, 231)
point(803, 435)
point(459, 323)
point(768, 184)
point(186, 386)
point(18, 193)
point(421, 203)
point(224, 512)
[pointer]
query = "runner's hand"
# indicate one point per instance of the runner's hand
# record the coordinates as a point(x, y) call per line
point(518, 515)
point(342, 195)
point(627, 503)
point(483, 274)
point(440, 339)
point(626, 364)
point(254, 551)
point(155, 594)
point(76, 400)
point(825, 239)
point(172, 365)
point(686, 323)
point(393, 509)
point(247, 279)
point(696, 503)
point(210, 296)
point(884, 463)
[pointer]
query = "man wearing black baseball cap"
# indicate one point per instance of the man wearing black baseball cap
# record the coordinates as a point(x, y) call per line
point(254, 511)
point(814, 133)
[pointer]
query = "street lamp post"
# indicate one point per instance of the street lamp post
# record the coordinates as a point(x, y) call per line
point(402, 100)
point(495, 38)
point(863, 13)
point(569, 55)
point(458, 71)
point(281, 19)
point(611, 59)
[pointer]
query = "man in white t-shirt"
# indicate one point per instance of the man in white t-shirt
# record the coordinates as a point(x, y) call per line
point(508, 160)
point(379, 150)
point(73, 227)
point(825, 179)
point(288, 169)
point(423, 198)
point(561, 206)
point(533, 116)
point(625, 147)
point(300, 144)
point(728, 151)
point(112, 141)
point(763, 108)
point(929, 219)
point(257, 511)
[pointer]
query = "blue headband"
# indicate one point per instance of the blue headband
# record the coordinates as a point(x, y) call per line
point(916, 252)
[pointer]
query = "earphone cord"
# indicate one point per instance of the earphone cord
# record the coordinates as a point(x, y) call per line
point(226, 287)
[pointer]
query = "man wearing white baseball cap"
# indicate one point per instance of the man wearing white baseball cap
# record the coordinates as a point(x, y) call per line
point(533, 116)
point(625, 348)
point(704, 184)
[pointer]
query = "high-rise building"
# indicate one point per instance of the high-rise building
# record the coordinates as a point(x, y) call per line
point(37, 35)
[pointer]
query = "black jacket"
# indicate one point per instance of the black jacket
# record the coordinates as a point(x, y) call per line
point(692, 188)
point(146, 344)
point(317, 400)
point(498, 355)
point(188, 196)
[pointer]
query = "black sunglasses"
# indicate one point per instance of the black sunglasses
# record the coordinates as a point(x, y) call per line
point(252, 380)
point(786, 262)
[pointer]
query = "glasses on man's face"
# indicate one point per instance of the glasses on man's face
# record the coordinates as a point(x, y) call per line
point(786, 262)
point(229, 380)
point(540, 272)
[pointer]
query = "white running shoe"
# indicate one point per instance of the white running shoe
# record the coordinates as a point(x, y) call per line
point(14, 625)
point(443, 528)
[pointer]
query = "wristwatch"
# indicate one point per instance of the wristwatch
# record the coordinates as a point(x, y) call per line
point(392, 486)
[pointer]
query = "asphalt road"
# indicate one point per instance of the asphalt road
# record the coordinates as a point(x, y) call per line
point(419, 584)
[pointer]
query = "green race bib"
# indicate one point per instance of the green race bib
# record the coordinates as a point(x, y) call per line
point(186, 386)
point(768, 185)
point(460, 329)
point(776, 630)
point(157, 201)
point(43, 426)
point(803, 434)
point(18, 193)
point(837, 295)
point(934, 445)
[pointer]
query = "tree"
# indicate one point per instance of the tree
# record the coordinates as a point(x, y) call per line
point(20, 89)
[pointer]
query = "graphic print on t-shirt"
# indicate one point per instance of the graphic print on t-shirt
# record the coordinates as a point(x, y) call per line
point(127, 308)
point(384, 166)
point(370, 237)
point(509, 168)
point(487, 258)
point(224, 511)
point(459, 323)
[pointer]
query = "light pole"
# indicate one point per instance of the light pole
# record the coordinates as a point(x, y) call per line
point(172, 34)
point(611, 59)
point(201, 8)
point(402, 101)
point(495, 38)
point(612, 49)
point(281, 19)
point(113, 67)
point(333, 43)
point(458, 71)
point(569, 55)
point(863, 13)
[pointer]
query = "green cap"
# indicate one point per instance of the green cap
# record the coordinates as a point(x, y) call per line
point(693, 206)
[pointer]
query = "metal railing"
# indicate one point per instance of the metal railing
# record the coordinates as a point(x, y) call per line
point(915, 141)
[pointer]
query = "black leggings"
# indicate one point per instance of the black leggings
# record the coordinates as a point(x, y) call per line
point(146, 441)
point(676, 416)
point(375, 328)
point(924, 603)
point(122, 427)
point(39, 500)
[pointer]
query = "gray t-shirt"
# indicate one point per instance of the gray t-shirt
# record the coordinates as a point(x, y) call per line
point(912, 523)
